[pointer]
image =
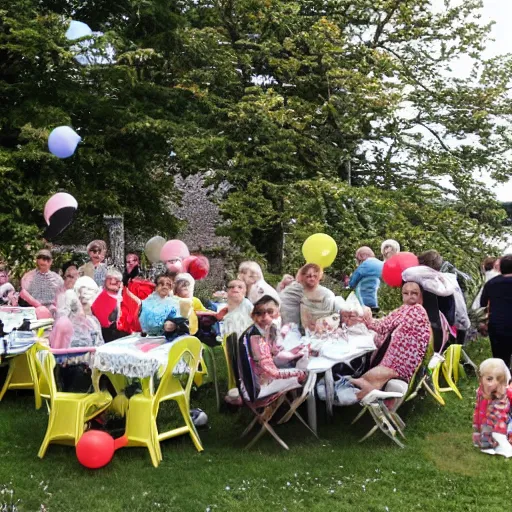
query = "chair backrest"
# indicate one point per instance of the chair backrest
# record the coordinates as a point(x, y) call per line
point(246, 379)
point(45, 367)
point(229, 345)
point(187, 350)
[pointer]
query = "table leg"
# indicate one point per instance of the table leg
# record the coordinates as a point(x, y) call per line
point(312, 420)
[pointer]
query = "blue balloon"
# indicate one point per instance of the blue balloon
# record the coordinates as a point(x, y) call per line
point(63, 141)
point(77, 29)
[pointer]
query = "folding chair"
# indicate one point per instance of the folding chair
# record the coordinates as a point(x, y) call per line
point(68, 412)
point(263, 409)
point(141, 426)
point(386, 417)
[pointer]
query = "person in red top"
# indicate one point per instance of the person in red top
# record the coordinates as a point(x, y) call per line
point(116, 311)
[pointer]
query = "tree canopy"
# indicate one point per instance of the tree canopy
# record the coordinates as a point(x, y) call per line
point(341, 116)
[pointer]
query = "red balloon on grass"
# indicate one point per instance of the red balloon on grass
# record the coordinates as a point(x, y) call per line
point(393, 268)
point(96, 448)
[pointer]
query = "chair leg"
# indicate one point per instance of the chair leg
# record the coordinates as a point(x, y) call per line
point(249, 427)
point(385, 426)
point(369, 433)
point(275, 436)
point(260, 434)
point(8, 378)
point(185, 412)
point(214, 372)
point(360, 415)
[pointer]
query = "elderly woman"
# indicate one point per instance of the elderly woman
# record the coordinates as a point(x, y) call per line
point(317, 301)
point(96, 268)
point(184, 285)
point(389, 248)
point(159, 308)
point(408, 328)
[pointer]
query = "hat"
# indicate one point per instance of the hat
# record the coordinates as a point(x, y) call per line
point(44, 253)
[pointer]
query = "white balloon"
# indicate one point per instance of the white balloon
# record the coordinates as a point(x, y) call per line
point(77, 29)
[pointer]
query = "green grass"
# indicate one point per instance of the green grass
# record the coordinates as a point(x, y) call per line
point(439, 470)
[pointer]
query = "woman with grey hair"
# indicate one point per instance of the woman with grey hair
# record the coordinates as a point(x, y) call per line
point(107, 306)
point(389, 248)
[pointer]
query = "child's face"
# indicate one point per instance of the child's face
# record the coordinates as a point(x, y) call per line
point(491, 383)
point(236, 289)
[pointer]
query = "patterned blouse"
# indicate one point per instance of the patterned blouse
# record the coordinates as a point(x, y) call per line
point(409, 327)
point(42, 287)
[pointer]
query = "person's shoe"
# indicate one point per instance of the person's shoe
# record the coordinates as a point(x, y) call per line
point(199, 417)
point(377, 394)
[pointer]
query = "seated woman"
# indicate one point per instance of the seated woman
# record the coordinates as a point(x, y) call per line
point(73, 327)
point(159, 308)
point(409, 328)
point(317, 301)
point(184, 292)
point(260, 338)
point(236, 314)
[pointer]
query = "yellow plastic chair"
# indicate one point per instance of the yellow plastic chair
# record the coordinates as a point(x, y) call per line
point(22, 374)
point(141, 426)
point(68, 412)
point(450, 368)
point(229, 361)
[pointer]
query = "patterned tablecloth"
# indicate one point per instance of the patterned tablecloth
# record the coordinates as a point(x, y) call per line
point(12, 317)
point(133, 356)
point(16, 343)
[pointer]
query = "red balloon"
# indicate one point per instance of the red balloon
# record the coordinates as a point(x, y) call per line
point(96, 448)
point(198, 267)
point(393, 268)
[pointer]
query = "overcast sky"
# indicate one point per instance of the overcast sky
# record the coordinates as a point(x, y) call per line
point(501, 12)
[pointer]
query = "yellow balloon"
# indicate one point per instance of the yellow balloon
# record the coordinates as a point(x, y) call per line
point(320, 249)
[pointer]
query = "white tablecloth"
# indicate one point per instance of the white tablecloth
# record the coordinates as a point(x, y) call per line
point(126, 357)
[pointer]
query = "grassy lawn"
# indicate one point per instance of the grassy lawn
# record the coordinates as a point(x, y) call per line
point(439, 470)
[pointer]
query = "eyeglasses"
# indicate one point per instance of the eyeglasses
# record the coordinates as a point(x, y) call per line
point(114, 279)
point(262, 312)
point(44, 258)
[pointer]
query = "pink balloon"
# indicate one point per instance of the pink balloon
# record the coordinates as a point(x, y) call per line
point(57, 202)
point(174, 249)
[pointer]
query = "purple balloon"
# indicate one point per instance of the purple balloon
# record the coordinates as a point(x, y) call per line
point(63, 141)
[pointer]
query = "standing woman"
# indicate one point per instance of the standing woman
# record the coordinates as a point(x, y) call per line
point(317, 301)
point(497, 297)
point(96, 268)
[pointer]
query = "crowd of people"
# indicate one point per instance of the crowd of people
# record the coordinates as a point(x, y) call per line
point(95, 303)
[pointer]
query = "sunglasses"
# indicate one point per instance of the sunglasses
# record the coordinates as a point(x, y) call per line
point(261, 312)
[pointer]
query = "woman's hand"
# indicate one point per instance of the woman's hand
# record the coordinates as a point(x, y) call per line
point(169, 326)
point(367, 314)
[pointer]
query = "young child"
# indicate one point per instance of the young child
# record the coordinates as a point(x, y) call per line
point(492, 407)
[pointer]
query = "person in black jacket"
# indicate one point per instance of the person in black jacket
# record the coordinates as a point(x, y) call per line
point(497, 297)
